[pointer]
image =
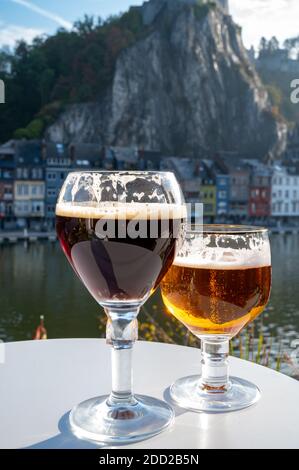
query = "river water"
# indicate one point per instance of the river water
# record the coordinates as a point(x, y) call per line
point(37, 280)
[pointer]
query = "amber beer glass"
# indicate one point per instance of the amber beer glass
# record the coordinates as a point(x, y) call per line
point(119, 231)
point(220, 281)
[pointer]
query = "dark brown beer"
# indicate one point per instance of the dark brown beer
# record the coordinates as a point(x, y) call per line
point(216, 300)
point(114, 264)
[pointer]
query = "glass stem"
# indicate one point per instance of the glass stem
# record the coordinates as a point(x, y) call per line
point(121, 334)
point(214, 361)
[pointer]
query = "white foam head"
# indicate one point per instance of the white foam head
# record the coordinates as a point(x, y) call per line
point(223, 259)
point(121, 211)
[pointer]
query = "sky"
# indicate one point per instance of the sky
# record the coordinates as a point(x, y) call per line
point(25, 19)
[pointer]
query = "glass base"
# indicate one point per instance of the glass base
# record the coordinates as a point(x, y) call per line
point(187, 393)
point(96, 420)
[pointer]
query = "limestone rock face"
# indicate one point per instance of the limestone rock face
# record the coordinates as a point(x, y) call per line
point(187, 86)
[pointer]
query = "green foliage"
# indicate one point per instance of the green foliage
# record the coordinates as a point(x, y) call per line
point(266, 48)
point(65, 68)
point(34, 130)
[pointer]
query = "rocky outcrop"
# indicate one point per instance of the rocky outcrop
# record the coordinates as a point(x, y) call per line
point(188, 85)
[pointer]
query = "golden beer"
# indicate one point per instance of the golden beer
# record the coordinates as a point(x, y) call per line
point(216, 300)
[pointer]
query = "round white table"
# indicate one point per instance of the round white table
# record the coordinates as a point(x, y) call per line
point(40, 381)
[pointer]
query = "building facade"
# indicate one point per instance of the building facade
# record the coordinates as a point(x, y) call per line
point(7, 174)
point(285, 194)
point(29, 185)
point(58, 165)
point(60, 161)
point(260, 192)
point(239, 190)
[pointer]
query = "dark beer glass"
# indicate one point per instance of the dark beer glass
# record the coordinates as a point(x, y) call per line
point(119, 231)
point(219, 282)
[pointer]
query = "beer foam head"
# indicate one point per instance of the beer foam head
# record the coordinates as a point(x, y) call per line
point(121, 211)
point(223, 259)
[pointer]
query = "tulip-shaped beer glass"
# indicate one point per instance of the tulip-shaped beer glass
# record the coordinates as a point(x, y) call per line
point(219, 282)
point(119, 231)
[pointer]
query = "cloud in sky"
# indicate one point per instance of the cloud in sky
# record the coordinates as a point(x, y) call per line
point(46, 13)
point(9, 34)
point(266, 18)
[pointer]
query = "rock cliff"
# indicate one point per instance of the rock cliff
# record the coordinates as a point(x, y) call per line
point(187, 85)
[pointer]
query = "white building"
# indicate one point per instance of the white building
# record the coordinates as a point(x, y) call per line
point(285, 193)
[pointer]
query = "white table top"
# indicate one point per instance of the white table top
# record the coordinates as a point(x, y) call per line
point(41, 381)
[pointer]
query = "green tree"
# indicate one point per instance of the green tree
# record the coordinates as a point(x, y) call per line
point(273, 44)
point(70, 66)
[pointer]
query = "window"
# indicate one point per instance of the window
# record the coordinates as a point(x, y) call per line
point(280, 193)
point(287, 194)
point(25, 173)
point(22, 190)
point(37, 173)
point(19, 173)
point(22, 207)
point(222, 195)
point(34, 190)
point(51, 193)
point(286, 208)
point(60, 149)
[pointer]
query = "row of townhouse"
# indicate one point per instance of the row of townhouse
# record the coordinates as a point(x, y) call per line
point(230, 187)
point(32, 173)
point(239, 189)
